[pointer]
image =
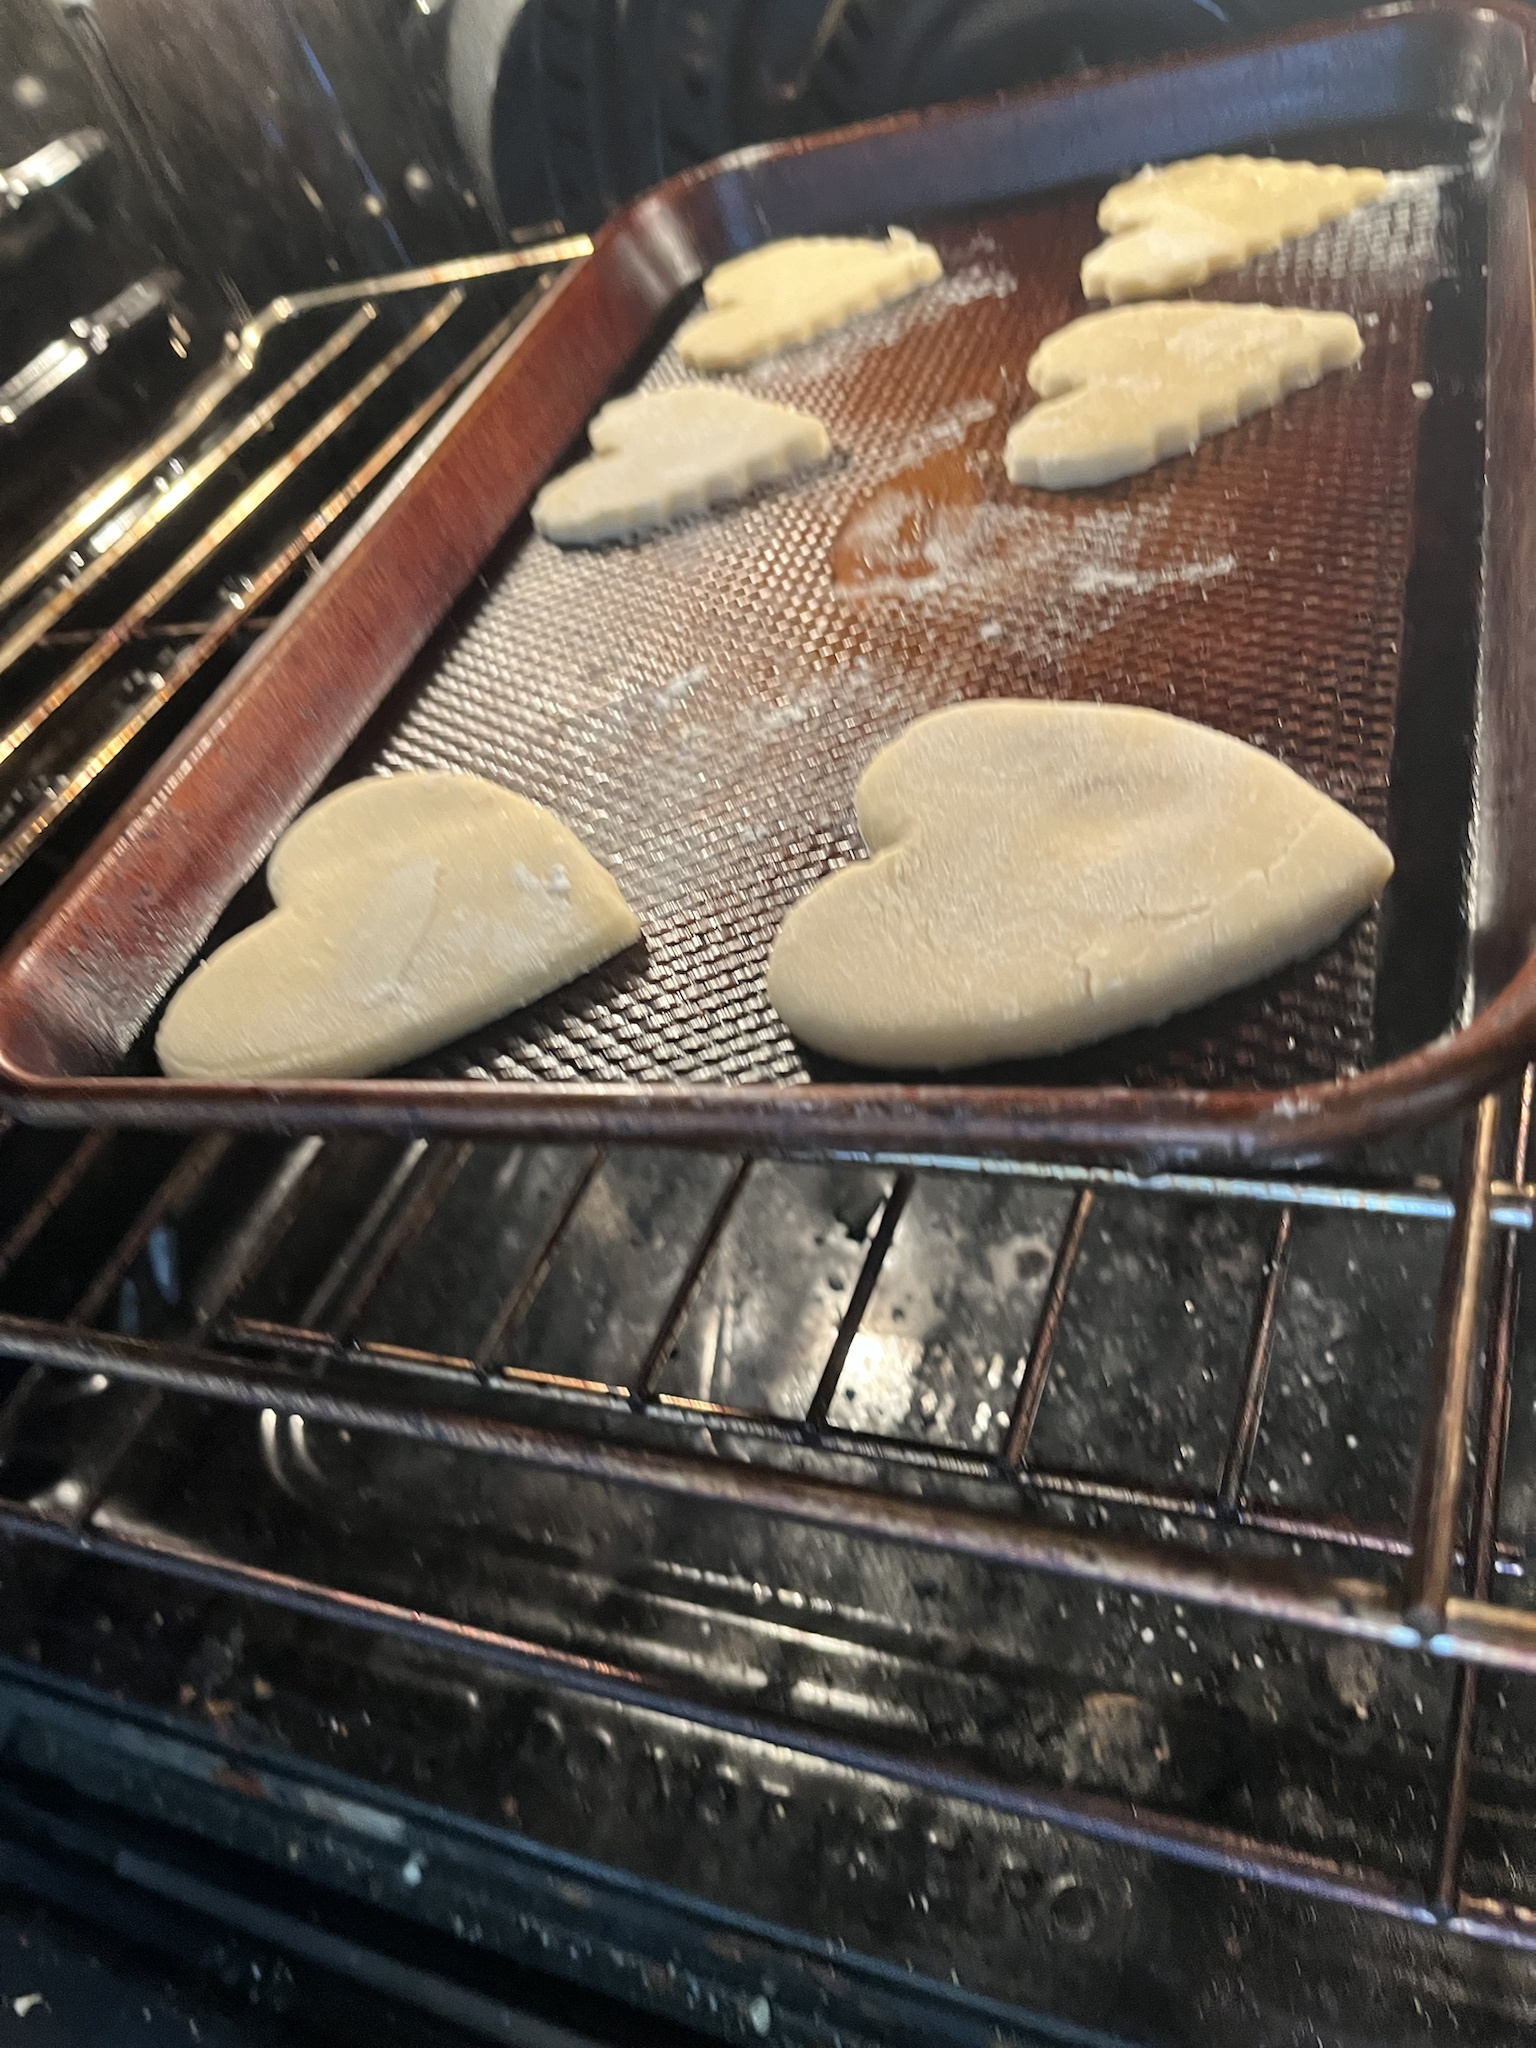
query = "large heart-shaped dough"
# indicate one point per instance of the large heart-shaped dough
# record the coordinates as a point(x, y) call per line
point(1175, 225)
point(660, 455)
point(1125, 389)
point(792, 291)
point(1044, 875)
point(410, 909)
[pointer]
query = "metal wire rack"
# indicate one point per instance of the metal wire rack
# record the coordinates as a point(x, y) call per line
point(190, 519)
point(197, 1292)
point(325, 1365)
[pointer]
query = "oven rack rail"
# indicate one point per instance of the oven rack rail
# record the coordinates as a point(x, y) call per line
point(254, 477)
point(1434, 1578)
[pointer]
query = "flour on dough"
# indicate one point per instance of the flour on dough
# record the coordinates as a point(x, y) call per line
point(1175, 225)
point(661, 455)
point(410, 909)
point(787, 292)
point(1045, 875)
point(1124, 389)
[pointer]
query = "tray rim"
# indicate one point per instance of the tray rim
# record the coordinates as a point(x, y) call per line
point(639, 264)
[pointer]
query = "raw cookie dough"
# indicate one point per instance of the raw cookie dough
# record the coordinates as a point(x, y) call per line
point(410, 909)
point(660, 455)
point(1125, 389)
point(1178, 224)
point(790, 291)
point(1044, 875)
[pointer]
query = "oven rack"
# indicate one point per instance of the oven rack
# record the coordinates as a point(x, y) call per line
point(1429, 1582)
point(637, 1433)
point(142, 588)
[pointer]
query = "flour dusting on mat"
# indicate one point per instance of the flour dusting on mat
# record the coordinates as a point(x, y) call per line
point(714, 761)
point(903, 545)
point(949, 430)
point(1058, 578)
point(1096, 577)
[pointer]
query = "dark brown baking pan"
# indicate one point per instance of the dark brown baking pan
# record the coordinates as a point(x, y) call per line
point(1346, 581)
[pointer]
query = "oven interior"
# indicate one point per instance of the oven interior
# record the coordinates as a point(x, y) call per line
point(753, 1599)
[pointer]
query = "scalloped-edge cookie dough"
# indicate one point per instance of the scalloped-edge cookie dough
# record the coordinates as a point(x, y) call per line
point(792, 291)
point(661, 455)
point(1175, 225)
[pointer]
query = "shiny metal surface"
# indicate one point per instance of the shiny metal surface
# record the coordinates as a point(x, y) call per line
point(50, 167)
point(241, 359)
point(90, 335)
point(158, 488)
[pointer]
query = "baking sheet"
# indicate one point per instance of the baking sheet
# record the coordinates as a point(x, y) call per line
point(1343, 581)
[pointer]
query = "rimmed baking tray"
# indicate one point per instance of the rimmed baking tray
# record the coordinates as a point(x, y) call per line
point(1345, 581)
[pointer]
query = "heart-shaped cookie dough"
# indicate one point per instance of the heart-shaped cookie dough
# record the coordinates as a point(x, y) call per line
point(1175, 225)
point(660, 455)
point(791, 291)
point(1045, 875)
point(410, 909)
point(1125, 389)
